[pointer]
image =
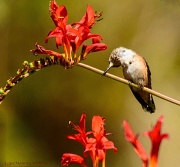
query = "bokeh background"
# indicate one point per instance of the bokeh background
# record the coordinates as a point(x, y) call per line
point(34, 116)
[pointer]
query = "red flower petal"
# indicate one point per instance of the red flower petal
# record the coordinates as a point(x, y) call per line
point(81, 129)
point(132, 138)
point(156, 137)
point(57, 32)
point(58, 13)
point(92, 48)
point(98, 126)
point(97, 146)
point(41, 50)
point(69, 158)
point(88, 19)
point(82, 122)
point(109, 145)
point(101, 154)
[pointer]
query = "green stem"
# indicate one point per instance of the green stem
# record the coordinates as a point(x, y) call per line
point(28, 68)
point(97, 162)
point(153, 162)
point(104, 160)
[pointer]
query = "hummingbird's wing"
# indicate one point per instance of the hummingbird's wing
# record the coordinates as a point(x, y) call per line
point(150, 99)
point(145, 99)
point(148, 75)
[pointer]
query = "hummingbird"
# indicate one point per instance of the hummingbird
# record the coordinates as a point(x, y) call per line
point(136, 70)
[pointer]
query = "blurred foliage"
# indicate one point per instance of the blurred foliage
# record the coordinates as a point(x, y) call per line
point(34, 116)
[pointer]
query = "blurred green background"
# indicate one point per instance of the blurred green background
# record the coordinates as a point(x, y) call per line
point(34, 116)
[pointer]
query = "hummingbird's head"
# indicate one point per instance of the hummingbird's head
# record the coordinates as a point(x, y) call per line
point(124, 52)
point(115, 58)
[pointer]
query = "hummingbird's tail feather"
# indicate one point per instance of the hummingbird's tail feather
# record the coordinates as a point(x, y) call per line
point(146, 105)
point(151, 102)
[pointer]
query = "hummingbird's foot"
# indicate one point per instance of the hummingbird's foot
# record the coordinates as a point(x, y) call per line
point(129, 83)
point(141, 87)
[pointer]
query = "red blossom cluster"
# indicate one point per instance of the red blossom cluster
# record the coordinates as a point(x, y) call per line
point(94, 146)
point(97, 145)
point(155, 137)
point(72, 36)
point(95, 142)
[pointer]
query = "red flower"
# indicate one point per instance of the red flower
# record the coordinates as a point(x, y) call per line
point(156, 137)
point(62, 32)
point(69, 158)
point(58, 13)
point(132, 138)
point(97, 145)
point(94, 47)
point(85, 35)
point(61, 58)
point(41, 50)
point(81, 137)
point(72, 36)
point(89, 18)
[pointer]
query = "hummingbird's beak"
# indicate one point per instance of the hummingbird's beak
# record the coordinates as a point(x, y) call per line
point(104, 73)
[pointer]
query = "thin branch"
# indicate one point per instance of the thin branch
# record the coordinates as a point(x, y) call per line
point(130, 84)
point(30, 68)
